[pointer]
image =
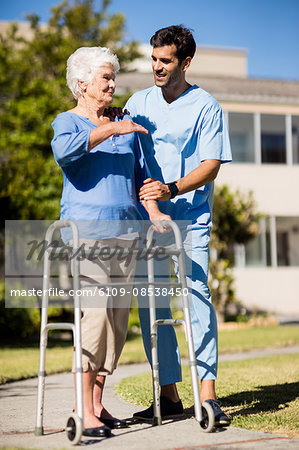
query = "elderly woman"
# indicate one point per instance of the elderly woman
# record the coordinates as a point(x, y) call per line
point(102, 172)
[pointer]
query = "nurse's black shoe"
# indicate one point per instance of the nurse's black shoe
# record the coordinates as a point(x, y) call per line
point(221, 419)
point(169, 410)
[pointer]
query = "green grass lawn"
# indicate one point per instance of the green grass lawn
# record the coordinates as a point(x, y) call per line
point(19, 362)
point(230, 341)
point(259, 394)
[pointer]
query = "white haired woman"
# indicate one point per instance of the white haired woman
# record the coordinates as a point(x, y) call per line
point(102, 171)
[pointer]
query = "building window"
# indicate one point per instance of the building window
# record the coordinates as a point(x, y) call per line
point(254, 253)
point(269, 139)
point(241, 137)
point(287, 241)
point(273, 138)
point(295, 139)
point(283, 250)
point(276, 245)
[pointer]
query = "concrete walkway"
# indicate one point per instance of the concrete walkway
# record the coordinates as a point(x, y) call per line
point(18, 405)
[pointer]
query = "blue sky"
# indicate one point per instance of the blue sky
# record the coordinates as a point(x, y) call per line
point(268, 29)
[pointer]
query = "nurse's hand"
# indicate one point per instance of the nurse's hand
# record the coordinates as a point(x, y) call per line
point(113, 111)
point(154, 190)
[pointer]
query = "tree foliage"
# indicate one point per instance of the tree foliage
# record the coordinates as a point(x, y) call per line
point(33, 91)
point(235, 219)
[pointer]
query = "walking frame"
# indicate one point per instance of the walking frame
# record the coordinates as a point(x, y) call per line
point(74, 428)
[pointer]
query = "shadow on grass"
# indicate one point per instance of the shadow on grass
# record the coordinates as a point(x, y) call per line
point(262, 399)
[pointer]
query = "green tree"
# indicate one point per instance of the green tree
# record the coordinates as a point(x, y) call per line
point(33, 91)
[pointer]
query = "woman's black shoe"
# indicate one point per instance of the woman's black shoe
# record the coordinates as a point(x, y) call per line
point(102, 431)
point(114, 424)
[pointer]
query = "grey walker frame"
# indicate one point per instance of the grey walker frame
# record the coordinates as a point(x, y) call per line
point(74, 428)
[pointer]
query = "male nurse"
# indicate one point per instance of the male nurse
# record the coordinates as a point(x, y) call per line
point(183, 151)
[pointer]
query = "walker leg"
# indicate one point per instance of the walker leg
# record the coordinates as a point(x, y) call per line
point(77, 336)
point(188, 326)
point(39, 430)
point(78, 359)
point(157, 420)
point(193, 366)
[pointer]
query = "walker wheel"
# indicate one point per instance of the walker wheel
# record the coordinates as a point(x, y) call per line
point(208, 419)
point(74, 429)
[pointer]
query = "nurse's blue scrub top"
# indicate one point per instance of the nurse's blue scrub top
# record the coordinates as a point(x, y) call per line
point(181, 135)
point(99, 186)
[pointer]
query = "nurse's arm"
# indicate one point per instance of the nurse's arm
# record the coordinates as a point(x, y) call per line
point(202, 175)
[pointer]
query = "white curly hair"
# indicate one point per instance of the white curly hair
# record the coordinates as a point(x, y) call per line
point(83, 64)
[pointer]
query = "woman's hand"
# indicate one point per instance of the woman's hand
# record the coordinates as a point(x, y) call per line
point(158, 220)
point(127, 126)
point(154, 190)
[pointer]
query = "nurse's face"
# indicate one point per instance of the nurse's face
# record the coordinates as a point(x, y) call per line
point(167, 70)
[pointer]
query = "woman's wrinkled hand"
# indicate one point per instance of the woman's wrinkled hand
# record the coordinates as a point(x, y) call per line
point(158, 220)
point(127, 126)
point(154, 190)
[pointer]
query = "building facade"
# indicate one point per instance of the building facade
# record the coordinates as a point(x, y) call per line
point(263, 122)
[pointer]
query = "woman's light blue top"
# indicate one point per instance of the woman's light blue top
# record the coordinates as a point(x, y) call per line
point(99, 186)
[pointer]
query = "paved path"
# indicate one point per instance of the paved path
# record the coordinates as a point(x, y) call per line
point(17, 417)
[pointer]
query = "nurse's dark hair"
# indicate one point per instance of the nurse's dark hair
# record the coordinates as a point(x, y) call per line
point(178, 35)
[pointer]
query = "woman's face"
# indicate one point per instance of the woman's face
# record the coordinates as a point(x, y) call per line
point(102, 87)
